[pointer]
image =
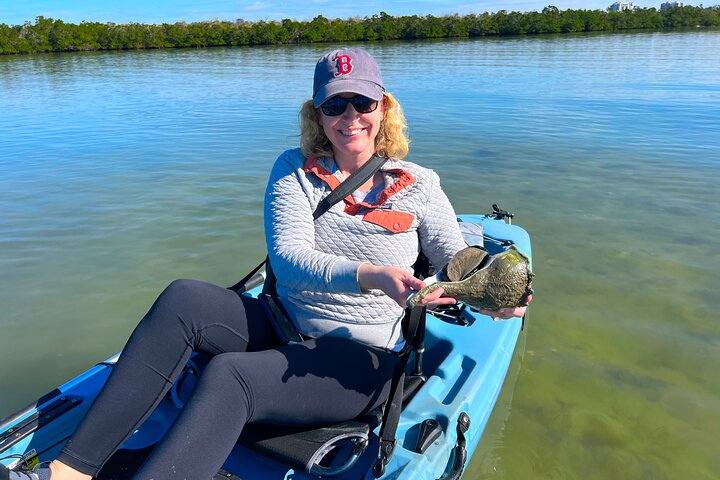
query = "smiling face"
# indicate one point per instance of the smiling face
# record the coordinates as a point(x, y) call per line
point(352, 134)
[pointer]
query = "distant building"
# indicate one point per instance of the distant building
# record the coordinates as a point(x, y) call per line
point(668, 5)
point(621, 6)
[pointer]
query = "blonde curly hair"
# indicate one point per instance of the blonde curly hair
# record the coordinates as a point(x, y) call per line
point(391, 141)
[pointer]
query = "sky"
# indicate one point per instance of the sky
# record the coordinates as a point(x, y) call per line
point(16, 12)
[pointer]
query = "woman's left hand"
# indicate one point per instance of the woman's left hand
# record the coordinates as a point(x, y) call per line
point(506, 313)
point(398, 284)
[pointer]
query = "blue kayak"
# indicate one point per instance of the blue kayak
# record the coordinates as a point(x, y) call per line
point(466, 359)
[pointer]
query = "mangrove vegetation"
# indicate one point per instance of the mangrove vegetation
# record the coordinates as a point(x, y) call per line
point(49, 35)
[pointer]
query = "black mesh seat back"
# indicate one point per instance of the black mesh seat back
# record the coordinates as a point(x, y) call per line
point(329, 447)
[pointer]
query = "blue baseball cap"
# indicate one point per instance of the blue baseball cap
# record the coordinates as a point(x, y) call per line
point(347, 70)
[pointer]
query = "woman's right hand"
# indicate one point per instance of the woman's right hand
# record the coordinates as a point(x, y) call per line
point(506, 313)
point(398, 284)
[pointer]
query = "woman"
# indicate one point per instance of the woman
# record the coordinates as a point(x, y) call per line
point(343, 279)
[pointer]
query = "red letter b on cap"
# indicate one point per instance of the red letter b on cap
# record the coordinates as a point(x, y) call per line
point(344, 65)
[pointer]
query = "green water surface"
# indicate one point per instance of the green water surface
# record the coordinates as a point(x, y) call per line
point(121, 171)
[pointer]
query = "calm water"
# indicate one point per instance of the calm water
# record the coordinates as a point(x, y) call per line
point(122, 171)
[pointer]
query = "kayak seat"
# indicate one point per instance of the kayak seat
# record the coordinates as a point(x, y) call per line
point(325, 451)
point(321, 451)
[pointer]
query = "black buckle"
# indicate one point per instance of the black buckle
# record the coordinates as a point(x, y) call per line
point(387, 448)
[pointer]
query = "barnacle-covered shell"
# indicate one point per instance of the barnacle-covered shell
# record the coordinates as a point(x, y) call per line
point(485, 281)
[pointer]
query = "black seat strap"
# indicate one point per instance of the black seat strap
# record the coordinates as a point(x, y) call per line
point(414, 331)
point(239, 286)
point(350, 184)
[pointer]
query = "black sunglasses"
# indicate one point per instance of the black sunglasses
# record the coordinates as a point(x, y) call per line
point(336, 105)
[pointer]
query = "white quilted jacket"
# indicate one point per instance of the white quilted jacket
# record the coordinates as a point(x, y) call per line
point(316, 262)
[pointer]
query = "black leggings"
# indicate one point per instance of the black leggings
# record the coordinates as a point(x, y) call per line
point(251, 377)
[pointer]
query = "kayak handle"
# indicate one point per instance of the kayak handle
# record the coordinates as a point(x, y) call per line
point(459, 453)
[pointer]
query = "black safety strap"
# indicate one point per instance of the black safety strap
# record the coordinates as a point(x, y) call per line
point(414, 331)
point(350, 184)
point(238, 287)
point(346, 187)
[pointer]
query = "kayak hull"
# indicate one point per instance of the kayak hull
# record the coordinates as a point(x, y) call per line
point(465, 367)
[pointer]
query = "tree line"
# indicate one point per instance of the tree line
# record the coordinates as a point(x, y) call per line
point(48, 35)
